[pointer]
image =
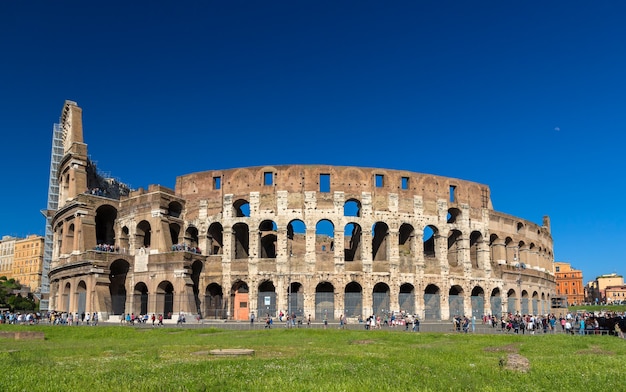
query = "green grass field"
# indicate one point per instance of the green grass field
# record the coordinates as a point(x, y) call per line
point(114, 358)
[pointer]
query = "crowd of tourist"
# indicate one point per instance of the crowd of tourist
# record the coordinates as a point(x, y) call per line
point(185, 248)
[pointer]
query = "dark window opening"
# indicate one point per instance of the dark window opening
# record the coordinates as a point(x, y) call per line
point(324, 182)
point(380, 180)
point(268, 178)
point(217, 182)
point(452, 195)
point(405, 183)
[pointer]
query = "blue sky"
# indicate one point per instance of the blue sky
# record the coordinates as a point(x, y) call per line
point(526, 97)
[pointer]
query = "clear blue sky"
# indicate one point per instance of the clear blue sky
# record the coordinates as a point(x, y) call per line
point(528, 97)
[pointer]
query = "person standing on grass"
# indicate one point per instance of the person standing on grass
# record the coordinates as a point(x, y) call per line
point(308, 321)
point(252, 319)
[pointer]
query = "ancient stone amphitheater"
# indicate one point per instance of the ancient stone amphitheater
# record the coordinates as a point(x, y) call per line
point(313, 240)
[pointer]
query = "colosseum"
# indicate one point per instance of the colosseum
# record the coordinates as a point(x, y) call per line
point(314, 240)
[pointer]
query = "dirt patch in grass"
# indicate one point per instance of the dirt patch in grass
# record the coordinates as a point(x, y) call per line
point(364, 341)
point(516, 362)
point(509, 348)
point(594, 350)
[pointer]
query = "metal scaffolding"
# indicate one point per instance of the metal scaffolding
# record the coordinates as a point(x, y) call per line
point(53, 204)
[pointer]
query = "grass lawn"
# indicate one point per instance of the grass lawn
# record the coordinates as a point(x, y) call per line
point(114, 358)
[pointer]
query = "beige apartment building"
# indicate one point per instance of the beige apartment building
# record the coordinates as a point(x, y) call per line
point(7, 253)
point(569, 283)
point(28, 261)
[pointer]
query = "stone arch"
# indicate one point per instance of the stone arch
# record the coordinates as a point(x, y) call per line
point(191, 237)
point(125, 239)
point(241, 238)
point(296, 238)
point(495, 300)
point(140, 298)
point(429, 238)
point(295, 294)
point(352, 242)
point(432, 303)
point(455, 301)
point(81, 291)
point(380, 246)
point(512, 301)
point(266, 299)
point(525, 308)
point(535, 303)
point(454, 247)
point(117, 286)
point(406, 298)
point(214, 302)
point(143, 234)
point(196, 271)
point(353, 300)
point(65, 297)
point(105, 224)
point(240, 301)
point(267, 239)
point(324, 301)
point(324, 239)
point(477, 300)
point(241, 208)
point(381, 299)
point(406, 236)
point(174, 209)
point(352, 207)
point(453, 215)
point(174, 233)
point(216, 238)
point(165, 298)
point(476, 240)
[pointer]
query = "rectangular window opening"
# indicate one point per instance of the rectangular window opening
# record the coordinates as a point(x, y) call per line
point(405, 183)
point(324, 182)
point(380, 180)
point(217, 182)
point(452, 195)
point(268, 178)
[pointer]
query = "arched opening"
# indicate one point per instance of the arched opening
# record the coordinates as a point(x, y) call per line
point(406, 298)
point(453, 215)
point(352, 207)
point(430, 233)
point(214, 302)
point(140, 298)
point(353, 300)
point(117, 286)
point(512, 301)
point(105, 225)
point(81, 290)
point(405, 240)
point(432, 303)
point(324, 240)
point(352, 242)
point(477, 300)
point(191, 238)
point(266, 302)
point(241, 208)
point(296, 238)
point(268, 239)
point(65, 297)
point(216, 234)
point(295, 294)
point(174, 233)
point(496, 302)
point(196, 270)
point(525, 305)
point(380, 232)
point(125, 240)
point(69, 243)
point(165, 298)
point(476, 239)
point(324, 301)
point(454, 248)
point(455, 301)
point(240, 301)
point(241, 236)
point(381, 299)
point(143, 234)
point(174, 209)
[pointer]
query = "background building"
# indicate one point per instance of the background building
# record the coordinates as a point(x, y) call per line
point(7, 254)
point(596, 290)
point(28, 262)
point(569, 283)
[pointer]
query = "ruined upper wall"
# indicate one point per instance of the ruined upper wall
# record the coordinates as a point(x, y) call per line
point(353, 181)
